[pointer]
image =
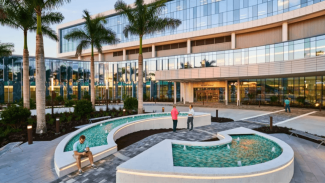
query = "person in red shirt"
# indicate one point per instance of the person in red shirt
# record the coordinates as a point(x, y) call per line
point(174, 113)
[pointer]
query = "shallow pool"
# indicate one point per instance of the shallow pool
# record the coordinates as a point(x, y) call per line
point(249, 150)
point(97, 135)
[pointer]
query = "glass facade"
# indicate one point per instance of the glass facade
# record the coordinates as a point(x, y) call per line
point(198, 15)
point(71, 79)
point(301, 91)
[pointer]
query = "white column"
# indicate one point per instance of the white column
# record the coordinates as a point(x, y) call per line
point(226, 92)
point(285, 31)
point(79, 58)
point(124, 54)
point(188, 46)
point(153, 53)
point(175, 93)
point(238, 92)
point(100, 57)
point(184, 93)
point(233, 40)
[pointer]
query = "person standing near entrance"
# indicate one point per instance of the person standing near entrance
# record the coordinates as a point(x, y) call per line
point(190, 117)
point(174, 113)
point(287, 104)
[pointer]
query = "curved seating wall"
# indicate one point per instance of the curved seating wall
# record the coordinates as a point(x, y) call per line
point(65, 163)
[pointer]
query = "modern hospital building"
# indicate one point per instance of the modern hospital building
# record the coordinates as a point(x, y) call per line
point(225, 51)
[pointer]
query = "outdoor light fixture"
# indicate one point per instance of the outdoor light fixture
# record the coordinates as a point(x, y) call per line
point(30, 134)
point(106, 84)
point(163, 109)
point(317, 104)
point(57, 126)
point(123, 112)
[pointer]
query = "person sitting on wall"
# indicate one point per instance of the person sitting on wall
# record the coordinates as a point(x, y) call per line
point(80, 150)
point(287, 104)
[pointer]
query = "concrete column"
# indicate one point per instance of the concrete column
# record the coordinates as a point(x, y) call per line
point(100, 57)
point(238, 92)
point(233, 40)
point(285, 31)
point(175, 93)
point(79, 58)
point(124, 54)
point(153, 53)
point(226, 92)
point(188, 46)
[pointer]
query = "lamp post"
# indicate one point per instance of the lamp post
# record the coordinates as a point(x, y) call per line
point(30, 134)
point(163, 109)
point(106, 95)
point(320, 106)
point(52, 89)
point(57, 126)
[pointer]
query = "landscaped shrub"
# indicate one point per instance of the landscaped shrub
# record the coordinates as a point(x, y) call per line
point(274, 99)
point(59, 99)
point(15, 116)
point(69, 103)
point(83, 107)
point(86, 96)
point(32, 103)
point(131, 103)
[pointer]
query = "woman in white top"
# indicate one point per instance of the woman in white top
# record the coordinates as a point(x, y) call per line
point(190, 117)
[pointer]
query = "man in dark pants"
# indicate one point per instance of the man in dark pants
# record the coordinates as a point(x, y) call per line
point(174, 113)
point(190, 117)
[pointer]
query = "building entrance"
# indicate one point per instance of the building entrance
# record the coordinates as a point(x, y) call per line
point(209, 94)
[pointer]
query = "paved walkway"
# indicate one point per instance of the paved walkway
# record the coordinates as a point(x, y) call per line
point(34, 164)
point(309, 161)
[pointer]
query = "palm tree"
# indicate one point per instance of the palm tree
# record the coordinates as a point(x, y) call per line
point(143, 20)
point(94, 34)
point(40, 7)
point(6, 49)
point(21, 16)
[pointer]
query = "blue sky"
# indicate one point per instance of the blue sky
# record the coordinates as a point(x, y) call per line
point(70, 11)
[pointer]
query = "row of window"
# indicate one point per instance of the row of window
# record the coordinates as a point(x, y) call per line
point(199, 15)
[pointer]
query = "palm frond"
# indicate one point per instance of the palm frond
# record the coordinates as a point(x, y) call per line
point(52, 4)
point(84, 44)
point(52, 18)
point(6, 49)
point(49, 32)
point(77, 35)
point(161, 24)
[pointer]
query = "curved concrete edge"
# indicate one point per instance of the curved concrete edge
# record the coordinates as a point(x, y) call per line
point(157, 164)
point(64, 163)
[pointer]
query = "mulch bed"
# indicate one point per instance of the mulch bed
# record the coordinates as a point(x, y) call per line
point(221, 120)
point(137, 136)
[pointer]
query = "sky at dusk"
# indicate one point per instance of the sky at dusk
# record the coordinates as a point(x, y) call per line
point(71, 11)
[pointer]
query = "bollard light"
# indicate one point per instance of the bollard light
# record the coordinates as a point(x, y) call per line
point(163, 109)
point(30, 134)
point(319, 105)
point(217, 114)
point(57, 125)
point(123, 112)
point(271, 123)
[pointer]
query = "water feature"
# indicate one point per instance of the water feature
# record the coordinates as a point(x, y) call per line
point(250, 150)
point(97, 135)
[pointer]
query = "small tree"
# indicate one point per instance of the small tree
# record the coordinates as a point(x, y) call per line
point(131, 103)
point(83, 107)
point(15, 116)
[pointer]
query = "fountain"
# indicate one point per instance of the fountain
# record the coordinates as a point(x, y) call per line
point(101, 124)
point(106, 131)
point(273, 149)
point(228, 146)
point(238, 139)
point(184, 148)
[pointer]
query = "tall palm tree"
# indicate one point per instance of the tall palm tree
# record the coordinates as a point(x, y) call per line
point(21, 16)
point(6, 49)
point(40, 7)
point(143, 20)
point(94, 34)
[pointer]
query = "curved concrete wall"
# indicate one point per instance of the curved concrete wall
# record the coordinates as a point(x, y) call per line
point(64, 162)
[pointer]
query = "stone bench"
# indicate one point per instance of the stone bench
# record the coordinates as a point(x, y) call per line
point(310, 136)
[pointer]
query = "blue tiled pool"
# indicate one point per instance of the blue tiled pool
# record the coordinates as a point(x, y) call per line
point(249, 150)
point(97, 135)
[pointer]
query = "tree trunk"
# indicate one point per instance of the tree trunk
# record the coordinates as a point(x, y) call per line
point(40, 80)
point(140, 84)
point(26, 73)
point(92, 83)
